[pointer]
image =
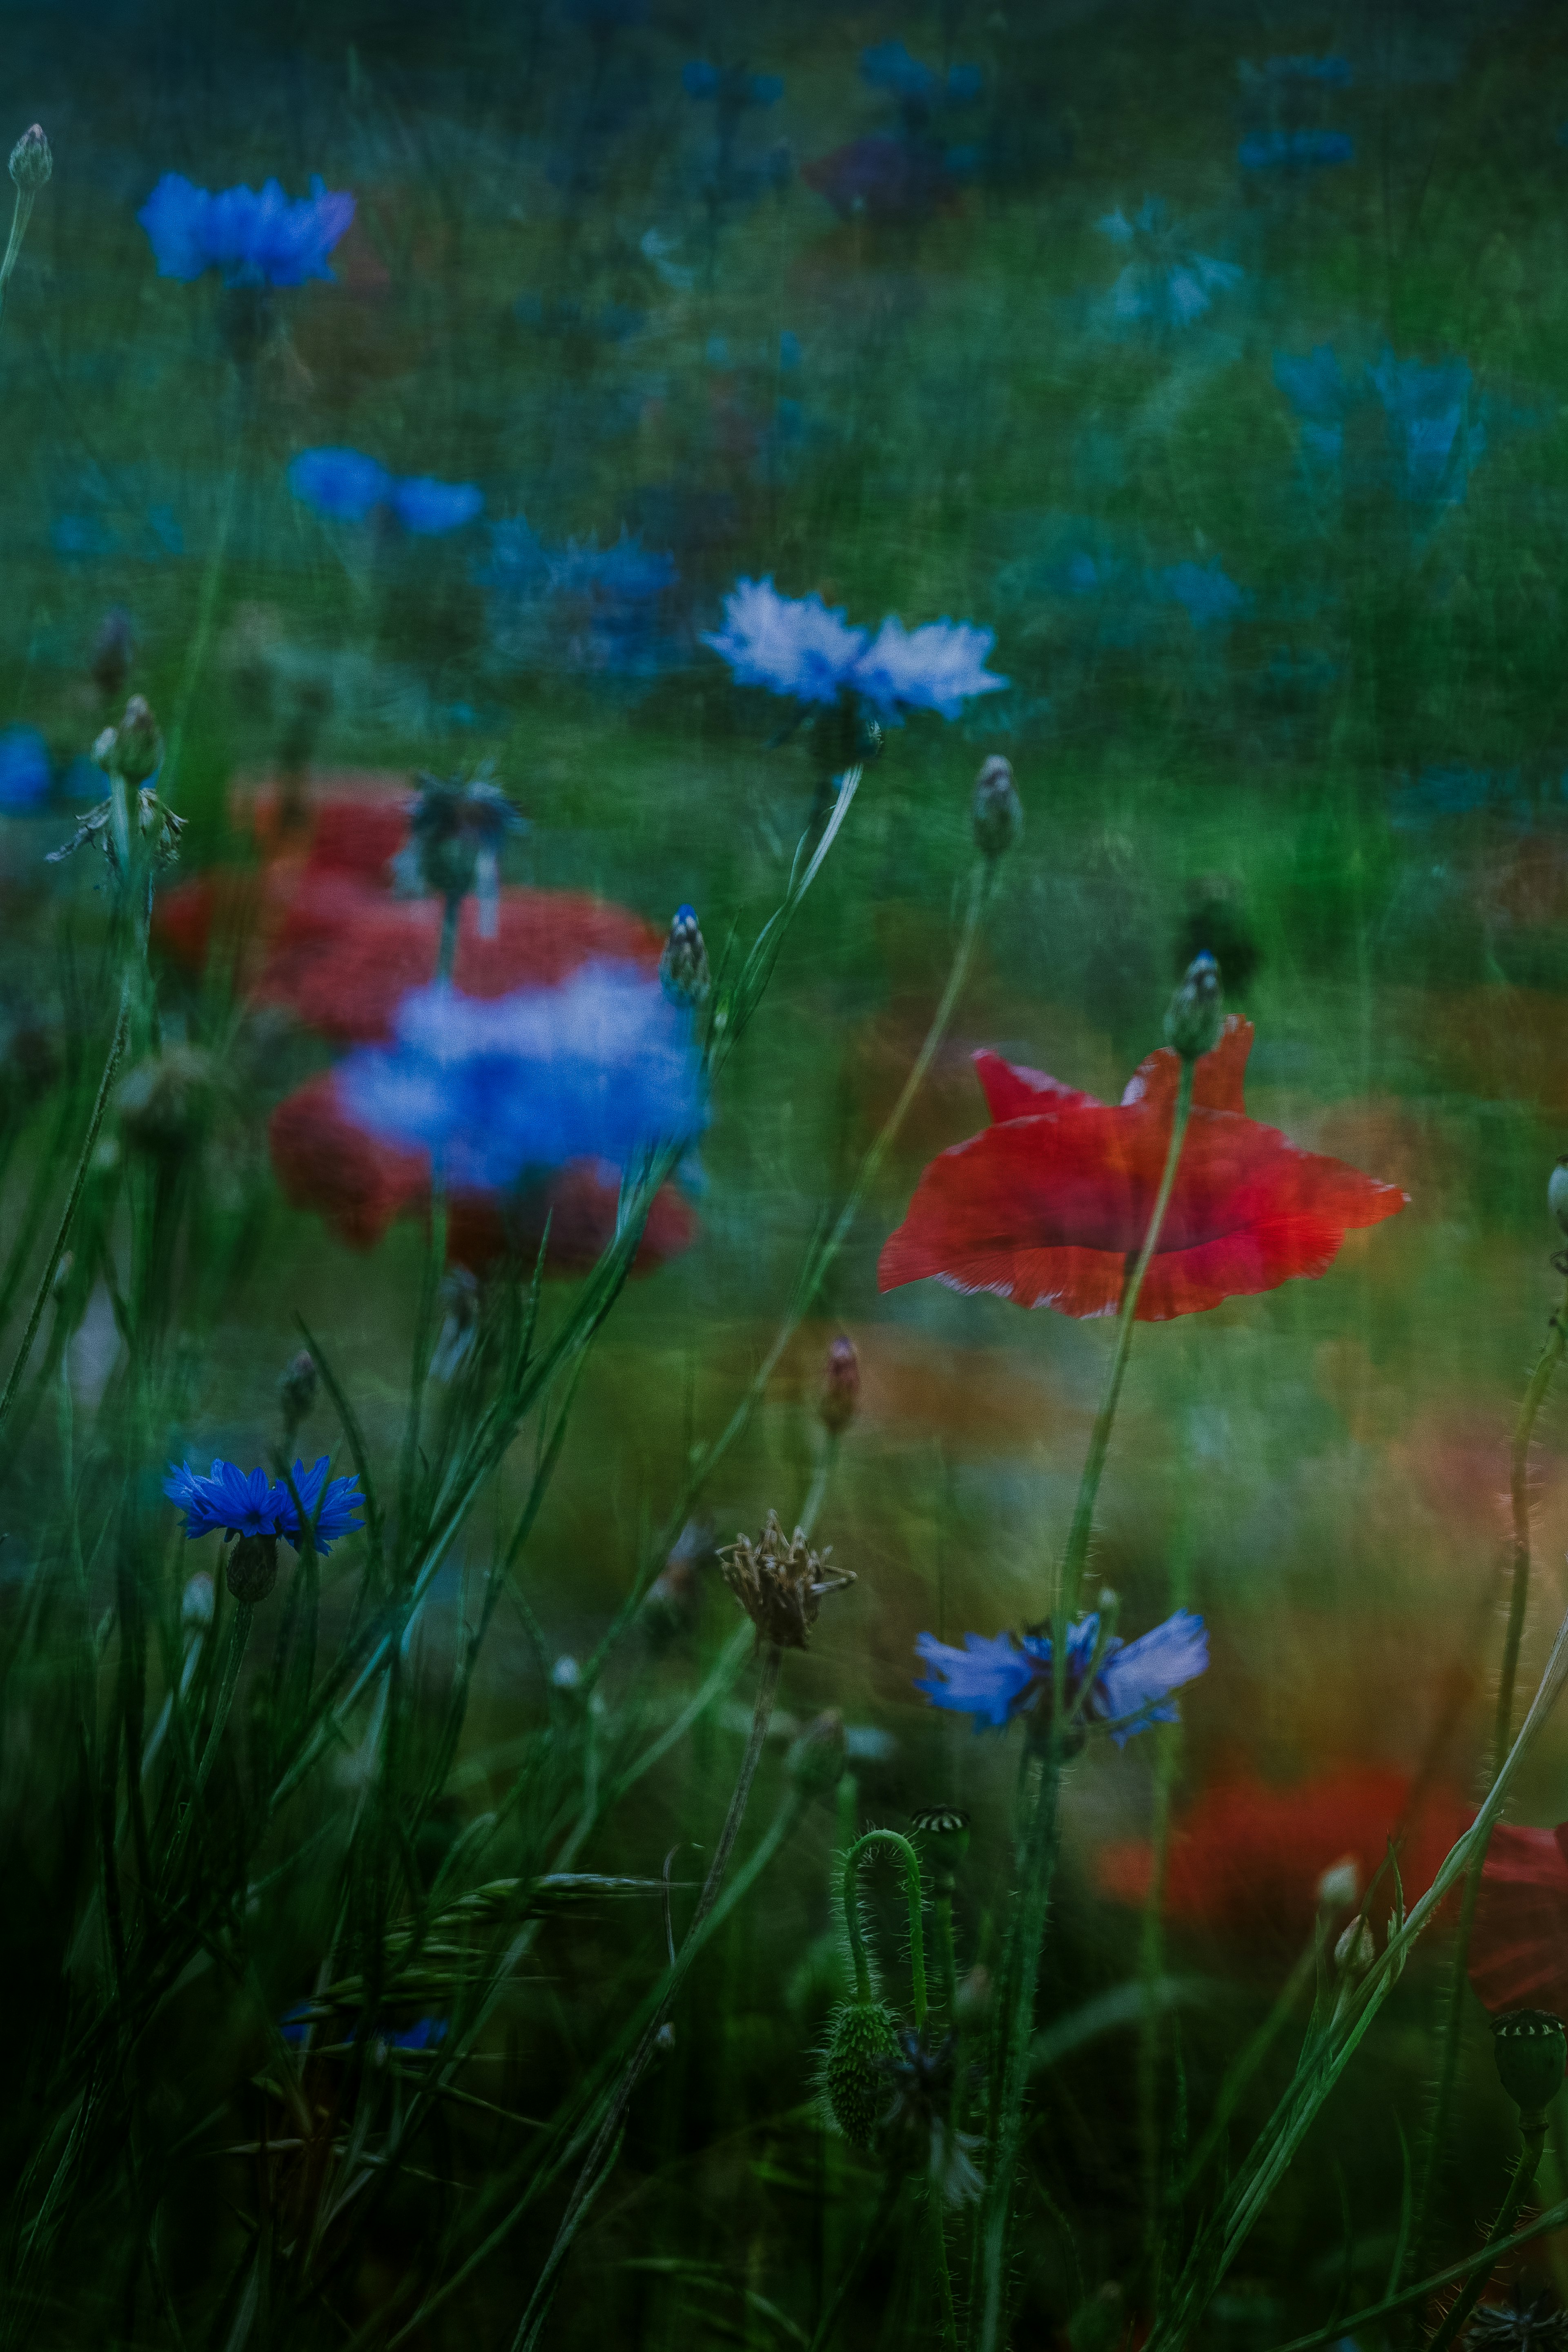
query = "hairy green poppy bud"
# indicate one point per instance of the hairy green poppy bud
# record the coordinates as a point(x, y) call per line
point(840, 1387)
point(943, 1831)
point(997, 812)
point(31, 162)
point(683, 966)
point(858, 2094)
point(250, 1567)
point(1530, 2048)
point(1557, 1193)
point(816, 1761)
point(1197, 1011)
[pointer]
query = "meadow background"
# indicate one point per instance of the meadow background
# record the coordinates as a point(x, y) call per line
point(1258, 469)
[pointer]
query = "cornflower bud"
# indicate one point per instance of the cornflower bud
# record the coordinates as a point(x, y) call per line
point(197, 1604)
point(1339, 1888)
point(683, 966)
point(134, 749)
point(840, 1398)
point(1557, 1193)
point(1355, 1951)
point(997, 812)
point(1529, 2046)
point(296, 1389)
point(1197, 1011)
point(31, 162)
point(858, 2094)
point(250, 1567)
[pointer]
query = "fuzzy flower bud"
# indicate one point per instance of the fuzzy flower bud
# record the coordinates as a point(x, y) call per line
point(816, 1761)
point(31, 162)
point(1197, 1012)
point(1557, 1193)
point(683, 966)
point(840, 1397)
point(943, 1833)
point(996, 812)
point(297, 1389)
point(859, 2094)
point(1529, 2046)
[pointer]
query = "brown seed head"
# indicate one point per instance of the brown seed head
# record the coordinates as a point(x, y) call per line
point(779, 1582)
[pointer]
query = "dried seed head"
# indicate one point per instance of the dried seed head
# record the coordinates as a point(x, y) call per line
point(779, 1582)
point(840, 1396)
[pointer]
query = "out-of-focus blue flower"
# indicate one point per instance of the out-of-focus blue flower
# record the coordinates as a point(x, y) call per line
point(598, 1069)
point(797, 646)
point(1203, 590)
point(1166, 284)
point(24, 769)
point(964, 84)
point(791, 645)
point(1331, 73)
point(889, 66)
point(789, 348)
point(936, 668)
point(1295, 151)
point(255, 236)
point(241, 1504)
point(427, 2034)
point(80, 537)
point(1316, 391)
point(345, 486)
point(999, 1678)
point(730, 86)
point(1430, 420)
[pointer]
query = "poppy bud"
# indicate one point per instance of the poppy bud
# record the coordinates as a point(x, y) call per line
point(297, 1389)
point(996, 812)
point(1197, 1011)
point(683, 966)
point(816, 1761)
point(1530, 2049)
point(31, 162)
point(1557, 1193)
point(944, 1831)
point(857, 2093)
point(840, 1387)
point(251, 1568)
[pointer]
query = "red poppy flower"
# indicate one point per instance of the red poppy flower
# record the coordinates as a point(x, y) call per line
point(1049, 1205)
point(360, 1184)
point(1519, 1944)
point(1246, 1862)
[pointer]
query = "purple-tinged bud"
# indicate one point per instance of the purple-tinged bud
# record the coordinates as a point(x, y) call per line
point(996, 812)
point(31, 162)
point(840, 1398)
point(683, 966)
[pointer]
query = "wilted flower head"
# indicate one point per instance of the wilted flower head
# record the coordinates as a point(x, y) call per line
point(796, 646)
point(129, 752)
point(255, 238)
point(345, 486)
point(31, 162)
point(110, 662)
point(683, 967)
point(1000, 1678)
point(917, 2125)
point(780, 1583)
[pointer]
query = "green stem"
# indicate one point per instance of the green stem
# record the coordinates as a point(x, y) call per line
point(1031, 1906)
point(1490, 2254)
point(239, 1636)
point(73, 1199)
point(1432, 2153)
point(1533, 2131)
point(914, 1895)
point(201, 636)
point(936, 2223)
point(946, 1960)
point(22, 214)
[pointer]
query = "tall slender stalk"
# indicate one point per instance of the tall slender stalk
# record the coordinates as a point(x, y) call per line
point(1039, 1792)
point(1453, 2023)
point(1533, 2139)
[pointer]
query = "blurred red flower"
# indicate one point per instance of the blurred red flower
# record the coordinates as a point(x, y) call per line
point(1048, 1206)
point(1519, 1944)
point(1246, 1862)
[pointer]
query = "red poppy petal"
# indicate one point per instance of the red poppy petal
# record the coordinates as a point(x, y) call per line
point(1012, 1091)
point(1218, 1078)
point(324, 1161)
point(1519, 1945)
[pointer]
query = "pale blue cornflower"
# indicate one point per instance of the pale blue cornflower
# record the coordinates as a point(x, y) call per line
point(345, 486)
point(1166, 283)
point(1006, 1675)
point(601, 1068)
point(1295, 151)
point(238, 1503)
point(797, 646)
point(255, 236)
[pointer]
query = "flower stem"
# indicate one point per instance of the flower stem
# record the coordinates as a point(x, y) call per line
point(1533, 2139)
point(596, 2165)
point(1040, 1794)
point(73, 1199)
point(936, 2222)
point(1546, 1364)
point(238, 1636)
point(22, 214)
point(914, 1895)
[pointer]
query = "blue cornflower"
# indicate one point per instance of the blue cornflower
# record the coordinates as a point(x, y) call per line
point(598, 1069)
point(889, 66)
point(345, 486)
point(228, 1499)
point(1004, 1676)
point(257, 237)
point(1166, 284)
point(1295, 151)
point(1431, 424)
point(1204, 591)
point(797, 646)
point(24, 769)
